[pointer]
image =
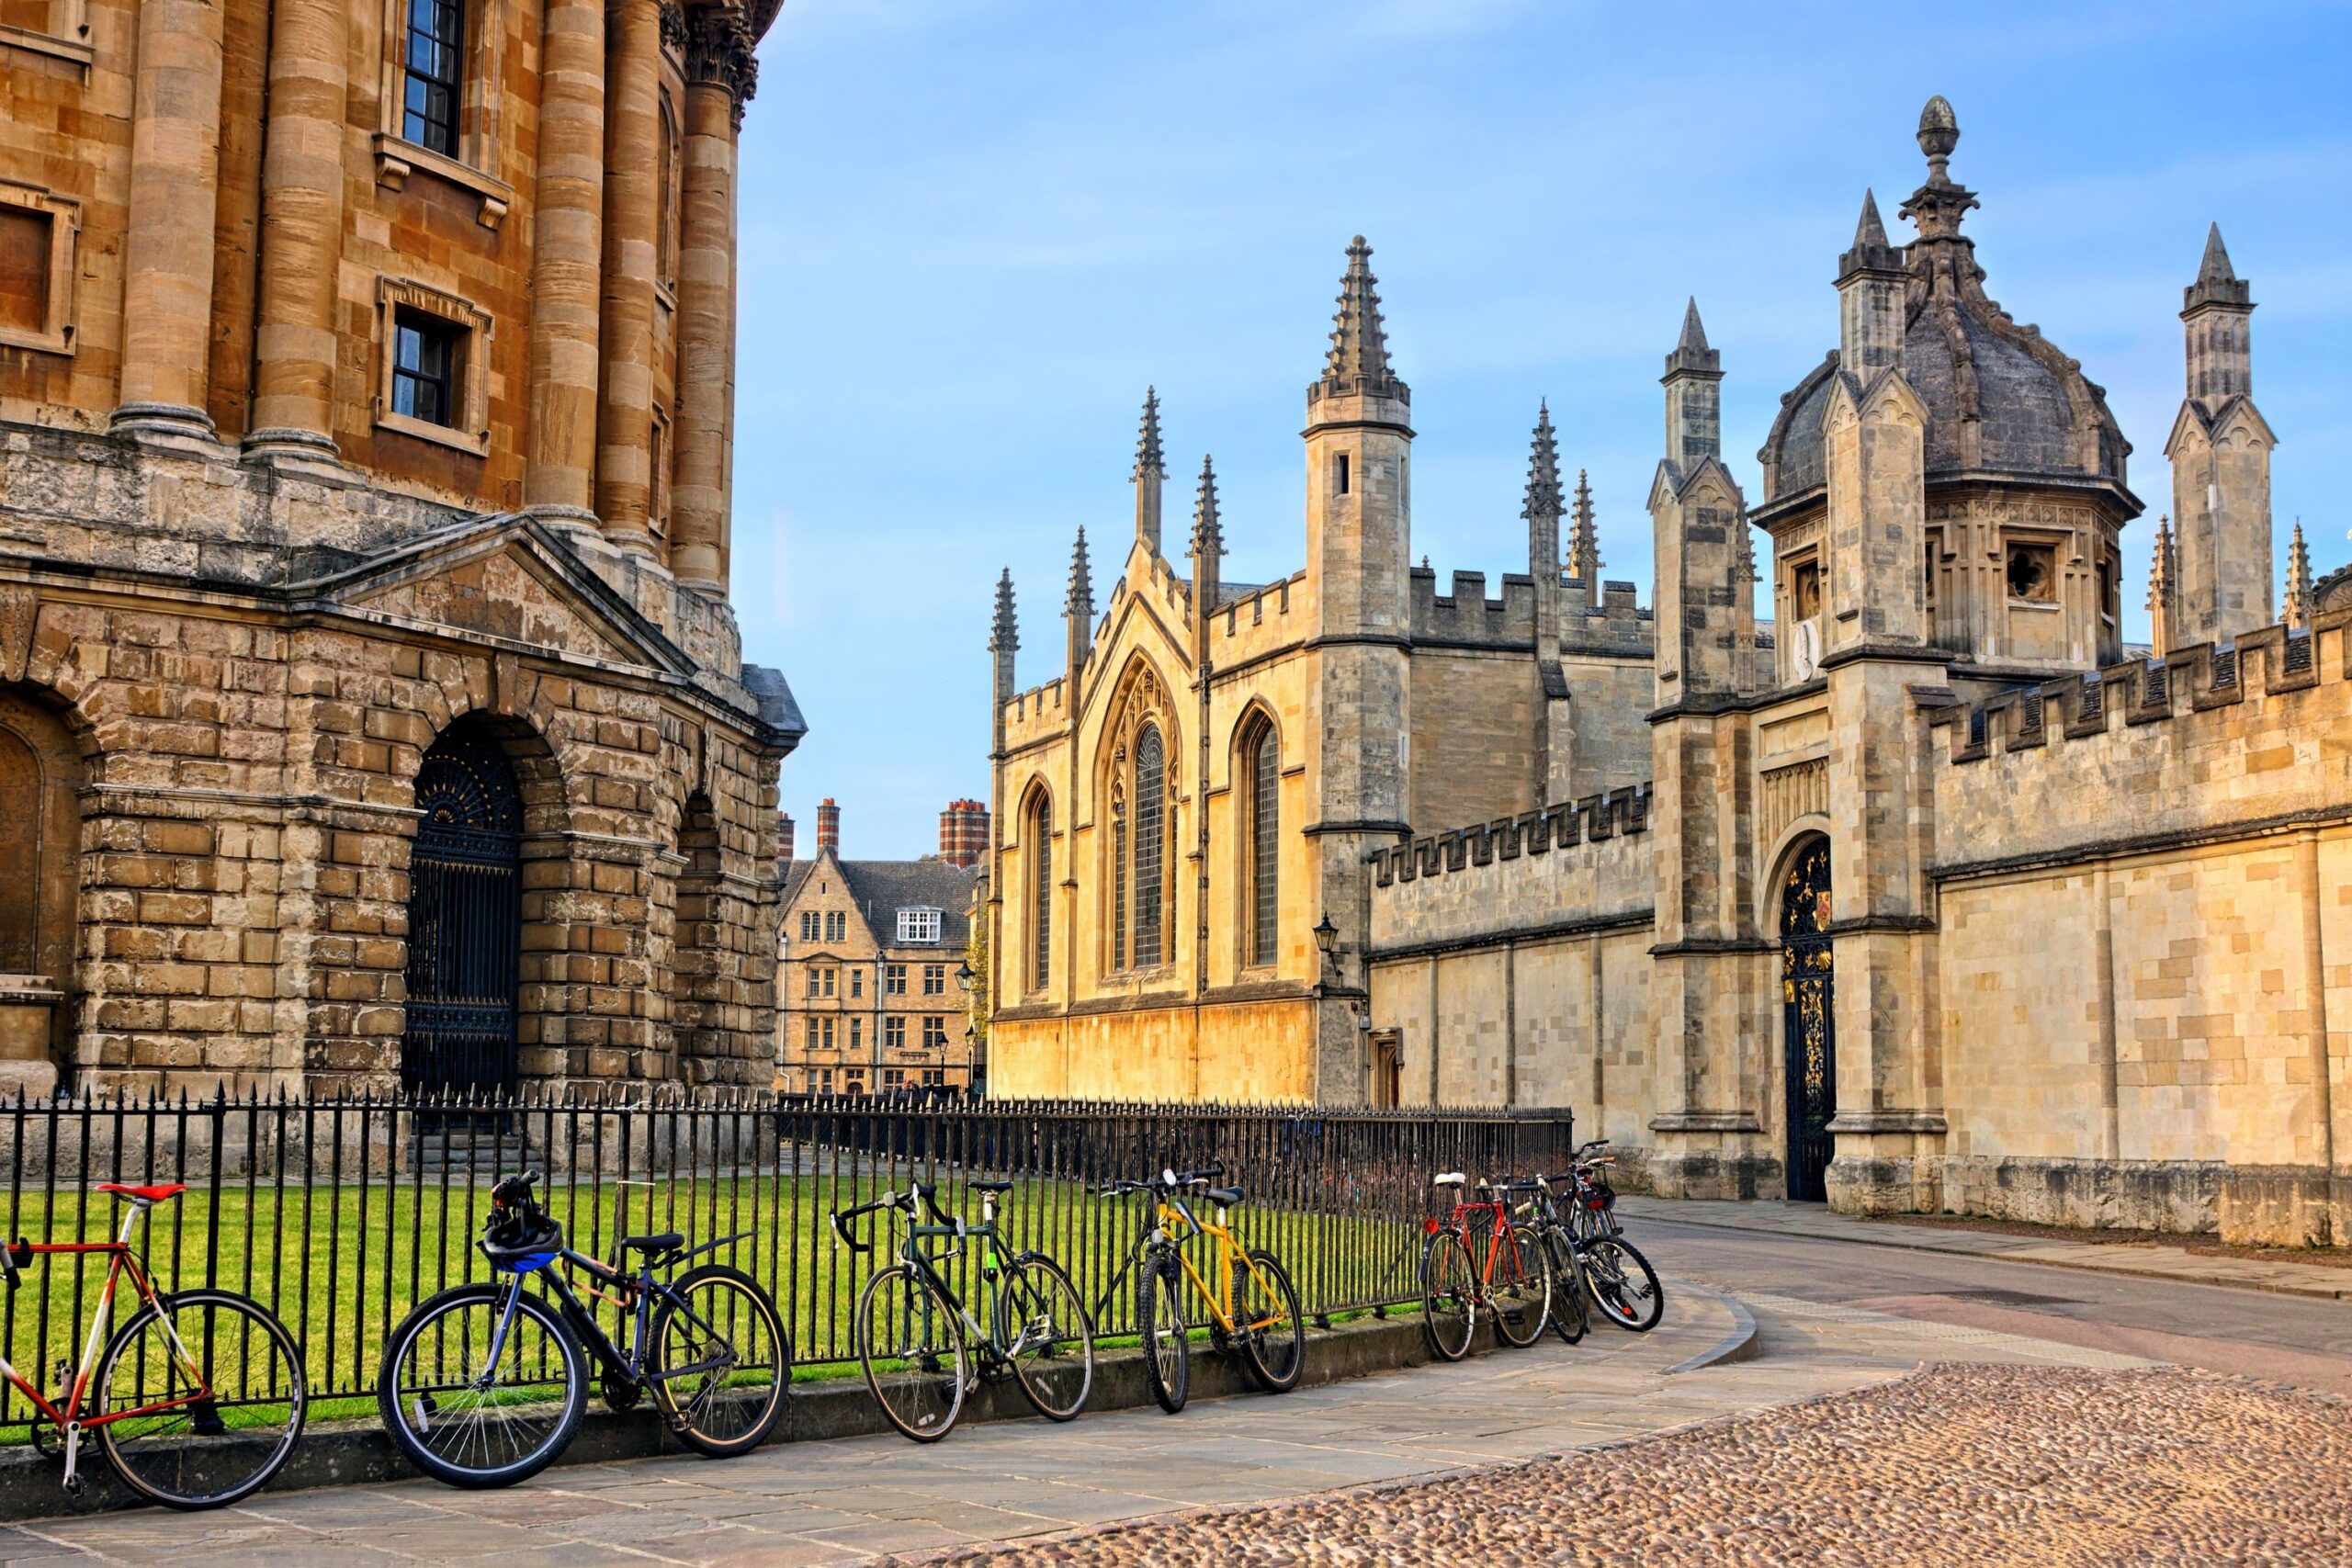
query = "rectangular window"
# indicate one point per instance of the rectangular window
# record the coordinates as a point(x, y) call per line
point(894, 1033)
point(436, 74)
point(2033, 573)
point(828, 1024)
point(26, 245)
point(826, 975)
point(812, 983)
point(857, 982)
point(426, 368)
point(934, 1031)
point(809, 1033)
point(934, 1078)
point(919, 925)
point(857, 1034)
point(825, 1081)
point(836, 926)
point(934, 979)
point(1343, 476)
point(894, 980)
point(808, 925)
point(894, 1078)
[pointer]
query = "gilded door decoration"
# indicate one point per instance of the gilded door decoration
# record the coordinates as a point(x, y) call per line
point(465, 920)
point(1808, 1020)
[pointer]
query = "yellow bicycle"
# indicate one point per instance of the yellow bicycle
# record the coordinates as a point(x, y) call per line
point(1251, 1305)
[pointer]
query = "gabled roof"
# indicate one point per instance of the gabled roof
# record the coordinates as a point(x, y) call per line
point(880, 889)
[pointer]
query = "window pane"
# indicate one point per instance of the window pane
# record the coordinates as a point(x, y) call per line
point(1151, 786)
point(1041, 893)
point(1265, 848)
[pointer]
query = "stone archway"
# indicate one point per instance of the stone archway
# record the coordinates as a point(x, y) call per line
point(465, 918)
point(1808, 1014)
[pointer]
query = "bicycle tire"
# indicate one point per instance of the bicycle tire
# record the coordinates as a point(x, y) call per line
point(397, 1403)
point(711, 1423)
point(1571, 1318)
point(1633, 1300)
point(1159, 1325)
point(1277, 1371)
point(1067, 1324)
point(1449, 1296)
point(918, 1406)
point(1522, 1300)
point(241, 1465)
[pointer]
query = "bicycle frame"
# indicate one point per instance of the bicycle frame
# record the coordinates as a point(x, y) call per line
point(1172, 1212)
point(69, 1418)
point(639, 1293)
point(1501, 1229)
point(957, 1230)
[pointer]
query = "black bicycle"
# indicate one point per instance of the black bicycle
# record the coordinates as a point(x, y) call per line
point(1616, 1276)
point(484, 1384)
point(923, 1350)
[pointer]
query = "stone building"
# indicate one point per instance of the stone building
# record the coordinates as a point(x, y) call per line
point(1931, 896)
point(371, 708)
point(869, 997)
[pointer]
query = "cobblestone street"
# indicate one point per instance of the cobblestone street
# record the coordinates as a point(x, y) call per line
point(1977, 1465)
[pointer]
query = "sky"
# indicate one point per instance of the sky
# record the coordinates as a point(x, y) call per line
point(973, 230)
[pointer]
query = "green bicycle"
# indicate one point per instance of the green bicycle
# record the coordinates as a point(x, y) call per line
point(921, 1348)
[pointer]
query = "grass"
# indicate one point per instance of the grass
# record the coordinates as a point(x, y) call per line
point(343, 1265)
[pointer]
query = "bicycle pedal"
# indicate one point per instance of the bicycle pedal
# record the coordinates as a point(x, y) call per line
point(205, 1418)
point(75, 1486)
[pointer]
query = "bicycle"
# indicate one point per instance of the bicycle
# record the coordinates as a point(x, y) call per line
point(915, 1335)
point(1615, 1275)
point(1571, 1315)
point(195, 1401)
point(1252, 1307)
point(1513, 1281)
point(485, 1384)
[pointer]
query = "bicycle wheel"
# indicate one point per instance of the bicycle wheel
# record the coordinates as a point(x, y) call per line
point(1622, 1284)
point(1449, 1295)
point(1265, 1311)
point(721, 1361)
point(230, 1377)
point(910, 1342)
point(468, 1420)
point(1042, 1326)
point(1159, 1323)
point(1570, 1317)
point(1523, 1289)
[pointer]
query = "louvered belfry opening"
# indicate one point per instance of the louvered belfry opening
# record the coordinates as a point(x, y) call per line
point(465, 918)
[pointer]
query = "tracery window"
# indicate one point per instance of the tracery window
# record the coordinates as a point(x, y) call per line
point(1040, 834)
point(1136, 786)
point(1261, 802)
point(1149, 851)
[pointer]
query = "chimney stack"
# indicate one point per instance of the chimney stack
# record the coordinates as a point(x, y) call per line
point(964, 833)
point(828, 826)
point(783, 836)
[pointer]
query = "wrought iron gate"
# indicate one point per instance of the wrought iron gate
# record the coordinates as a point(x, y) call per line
point(1809, 1020)
point(465, 920)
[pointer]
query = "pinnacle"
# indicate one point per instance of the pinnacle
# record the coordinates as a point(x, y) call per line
point(1870, 230)
point(1695, 332)
point(1004, 634)
point(1148, 455)
point(1208, 538)
point(1081, 581)
point(2299, 579)
point(1358, 360)
point(2216, 268)
point(1542, 470)
point(1584, 538)
point(1691, 352)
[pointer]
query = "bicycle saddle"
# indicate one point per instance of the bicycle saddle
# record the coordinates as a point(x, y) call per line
point(668, 1241)
point(144, 1194)
point(1224, 1197)
point(977, 1185)
point(1451, 1179)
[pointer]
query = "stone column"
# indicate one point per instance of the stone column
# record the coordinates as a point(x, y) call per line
point(167, 253)
point(719, 72)
point(632, 212)
point(567, 263)
point(301, 228)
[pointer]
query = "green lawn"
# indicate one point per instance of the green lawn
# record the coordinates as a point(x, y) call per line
point(343, 1265)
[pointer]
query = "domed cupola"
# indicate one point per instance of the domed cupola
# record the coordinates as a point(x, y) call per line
point(2002, 399)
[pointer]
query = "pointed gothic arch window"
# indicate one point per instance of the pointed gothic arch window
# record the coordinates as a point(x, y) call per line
point(1260, 777)
point(1040, 834)
point(1149, 848)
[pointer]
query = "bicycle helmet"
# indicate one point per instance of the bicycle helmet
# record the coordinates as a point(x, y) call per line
point(518, 1232)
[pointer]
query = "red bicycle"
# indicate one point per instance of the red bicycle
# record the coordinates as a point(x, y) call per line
point(1512, 1280)
point(196, 1400)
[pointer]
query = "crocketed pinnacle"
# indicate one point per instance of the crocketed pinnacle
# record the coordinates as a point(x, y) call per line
point(2161, 573)
point(1080, 603)
point(2298, 605)
point(1744, 568)
point(1148, 462)
point(1584, 537)
point(1004, 635)
point(1542, 470)
point(1358, 362)
point(1208, 535)
point(2218, 282)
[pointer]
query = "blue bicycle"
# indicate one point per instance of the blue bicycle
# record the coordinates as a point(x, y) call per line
point(484, 1384)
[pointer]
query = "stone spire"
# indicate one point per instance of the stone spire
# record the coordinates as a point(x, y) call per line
point(1870, 298)
point(2164, 587)
point(2217, 308)
point(1080, 609)
point(1209, 556)
point(1151, 473)
point(2298, 604)
point(1584, 543)
point(1693, 396)
point(1358, 361)
point(1542, 513)
point(2218, 282)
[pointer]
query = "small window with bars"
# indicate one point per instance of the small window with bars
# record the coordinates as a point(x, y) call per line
point(435, 68)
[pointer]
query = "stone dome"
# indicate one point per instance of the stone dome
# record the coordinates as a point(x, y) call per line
point(2001, 399)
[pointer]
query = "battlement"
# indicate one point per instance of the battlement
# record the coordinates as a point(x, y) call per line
point(1516, 877)
point(1563, 825)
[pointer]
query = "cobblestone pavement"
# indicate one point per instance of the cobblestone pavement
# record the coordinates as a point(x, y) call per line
point(1959, 1464)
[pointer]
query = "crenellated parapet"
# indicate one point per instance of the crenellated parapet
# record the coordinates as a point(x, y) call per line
point(1563, 825)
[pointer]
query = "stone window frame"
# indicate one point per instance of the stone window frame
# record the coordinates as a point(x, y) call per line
point(894, 1032)
point(480, 114)
point(1144, 702)
point(66, 37)
point(919, 925)
point(65, 215)
point(470, 432)
point(1255, 734)
point(2054, 544)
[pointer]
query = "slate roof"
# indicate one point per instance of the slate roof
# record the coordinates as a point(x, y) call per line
point(883, 888)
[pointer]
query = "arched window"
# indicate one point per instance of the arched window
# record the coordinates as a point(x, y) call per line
point(1149, 839)
point(1040, 834)
point(667, 173)
point(1261, 769)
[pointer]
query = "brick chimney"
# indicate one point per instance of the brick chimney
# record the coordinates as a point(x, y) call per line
point(964, 833)
point(784, 836)
point(828, 826)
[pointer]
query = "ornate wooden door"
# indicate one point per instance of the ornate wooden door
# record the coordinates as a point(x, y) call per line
point(464, 921)
point(1808, 1024)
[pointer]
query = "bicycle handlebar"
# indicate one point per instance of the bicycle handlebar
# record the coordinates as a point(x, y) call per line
point(511, 1189)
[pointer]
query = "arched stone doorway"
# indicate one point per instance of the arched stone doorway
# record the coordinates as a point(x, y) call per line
point(465, 918)
point(1808, 1028)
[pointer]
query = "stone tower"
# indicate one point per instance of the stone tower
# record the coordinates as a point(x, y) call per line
point(1359, 509)
point(1875, 428)
point(2219, 449)
point(1151, 473)
point(1706, 615)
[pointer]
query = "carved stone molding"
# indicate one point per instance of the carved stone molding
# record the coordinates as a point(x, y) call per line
point(718, 52)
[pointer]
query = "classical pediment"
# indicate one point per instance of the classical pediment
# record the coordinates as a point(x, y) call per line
point(508, 579)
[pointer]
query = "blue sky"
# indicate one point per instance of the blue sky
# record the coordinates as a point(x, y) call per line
point(974, 229)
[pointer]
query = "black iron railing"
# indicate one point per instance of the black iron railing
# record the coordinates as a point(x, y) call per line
point(340, 1215)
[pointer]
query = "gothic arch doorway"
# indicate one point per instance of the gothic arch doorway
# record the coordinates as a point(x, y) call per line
point(1808, 1028)
point(465, 918)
